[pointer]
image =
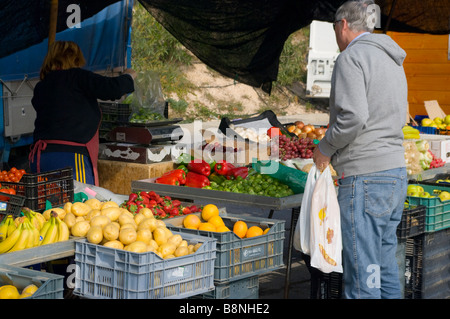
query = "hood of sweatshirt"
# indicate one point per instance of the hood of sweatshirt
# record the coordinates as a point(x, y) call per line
point(385, 43)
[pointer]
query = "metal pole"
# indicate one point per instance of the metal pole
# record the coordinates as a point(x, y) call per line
point(53, 22)
point(391, 12)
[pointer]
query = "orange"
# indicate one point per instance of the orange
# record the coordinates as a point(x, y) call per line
point(240, 228)
point(216, 221)
point(209, 211)
point(191, 221)
point(207, 227)
point(266, 230)
point(222, 229)
point(254, 231)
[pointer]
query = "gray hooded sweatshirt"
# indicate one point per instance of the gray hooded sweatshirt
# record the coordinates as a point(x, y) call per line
point(368, 105)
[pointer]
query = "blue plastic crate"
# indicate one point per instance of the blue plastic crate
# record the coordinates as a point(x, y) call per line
point(50, 286)
point(108, 273)
point(247, 288)
point(241, 258)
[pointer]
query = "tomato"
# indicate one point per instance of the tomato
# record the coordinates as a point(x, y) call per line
point(11, 191)
point(273, 131)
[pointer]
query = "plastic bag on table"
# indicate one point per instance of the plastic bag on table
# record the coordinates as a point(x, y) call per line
point(325, 226)
point(302, 229)
point(292, 177)
point(147, 101)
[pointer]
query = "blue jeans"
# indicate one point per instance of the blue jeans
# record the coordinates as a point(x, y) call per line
point(371, 209)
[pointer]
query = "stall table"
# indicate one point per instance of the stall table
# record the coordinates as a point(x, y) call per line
point(273, 203)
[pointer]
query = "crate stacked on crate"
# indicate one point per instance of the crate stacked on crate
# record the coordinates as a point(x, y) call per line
point(240, 261)
point(427, 266)
point(55, 186)
point(113, 114)
point(109, 273)
point(49, 286)
point(11, 205)
point(437, 214)
point(427, 254)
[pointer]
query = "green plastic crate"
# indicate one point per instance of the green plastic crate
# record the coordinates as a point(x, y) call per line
point(241, 258)
point(108, 273)
point(437, 212)
point(51, 286)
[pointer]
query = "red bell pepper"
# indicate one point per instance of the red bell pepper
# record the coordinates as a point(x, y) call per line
point(223, 167)
point(199, 167)
point(196, 180)
point(179, 173)
point(168, 180)
point(238, 171)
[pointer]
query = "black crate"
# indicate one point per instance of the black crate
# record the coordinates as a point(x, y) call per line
point(115, 112)
point(427, 266)
point(412, 223)
point(54, 186)
point(10, 205)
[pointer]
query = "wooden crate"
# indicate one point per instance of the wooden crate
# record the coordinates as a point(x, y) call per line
point(117, 176)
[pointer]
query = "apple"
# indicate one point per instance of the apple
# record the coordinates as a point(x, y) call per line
point(447, 119)
point(426, 121)
point(444, 196)
point(438, 120)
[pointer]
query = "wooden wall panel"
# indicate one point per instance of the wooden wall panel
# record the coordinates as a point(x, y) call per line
point(427, 69)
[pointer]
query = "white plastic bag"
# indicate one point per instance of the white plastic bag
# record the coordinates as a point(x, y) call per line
point(325, 224)
point(302, 229)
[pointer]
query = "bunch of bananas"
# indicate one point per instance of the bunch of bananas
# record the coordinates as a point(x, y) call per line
point(31, 230)
point(410, 132)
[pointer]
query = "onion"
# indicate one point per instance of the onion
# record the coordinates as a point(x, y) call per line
point(311, 135)
point(291, 128)
point(307, 129)
point(299, 124)
point(319, 131)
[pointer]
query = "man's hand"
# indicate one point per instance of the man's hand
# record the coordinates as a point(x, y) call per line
point(321, 161)
point(130, 72)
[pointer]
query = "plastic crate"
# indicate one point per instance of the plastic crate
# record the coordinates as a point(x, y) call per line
point(247, 288)
point(412, 223)
point(437, 215)
point(240, 258)
point(115, 112)
point(11, 206)
point(427, 266)
point(108, 273)
point(54, 186)
point(50, 286)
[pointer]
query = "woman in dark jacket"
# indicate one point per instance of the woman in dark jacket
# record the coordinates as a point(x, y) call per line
point(67, 112)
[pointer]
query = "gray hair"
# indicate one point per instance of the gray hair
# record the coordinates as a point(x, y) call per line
point(356, 13)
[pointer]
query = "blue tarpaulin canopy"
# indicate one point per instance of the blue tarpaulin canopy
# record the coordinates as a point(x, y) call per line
point(104, 38)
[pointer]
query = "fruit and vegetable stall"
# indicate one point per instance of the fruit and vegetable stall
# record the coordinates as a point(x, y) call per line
point(176, 232)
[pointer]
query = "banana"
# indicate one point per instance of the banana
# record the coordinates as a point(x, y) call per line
point(63, 230)
point(44, 229)
point(41, 219)
point(22, 242)
point(52, 233)
point(37, 219)
point(9, 242)
point(11, 227)
point(4, 226)
point(32, 235)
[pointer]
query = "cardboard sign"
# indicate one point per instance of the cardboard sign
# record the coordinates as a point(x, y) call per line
point(433, 109)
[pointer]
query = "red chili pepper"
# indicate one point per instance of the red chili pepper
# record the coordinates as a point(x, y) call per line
point(199, 167)
point(196, 180)
point(223, 167)
point(238, 171)
point(168, 180)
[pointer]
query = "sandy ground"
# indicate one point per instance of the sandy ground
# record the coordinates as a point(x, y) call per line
point(215, 90)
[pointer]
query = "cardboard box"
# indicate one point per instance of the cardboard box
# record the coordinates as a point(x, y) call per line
point(439, 145)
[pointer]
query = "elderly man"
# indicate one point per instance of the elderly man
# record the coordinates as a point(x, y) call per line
point(365, 145)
